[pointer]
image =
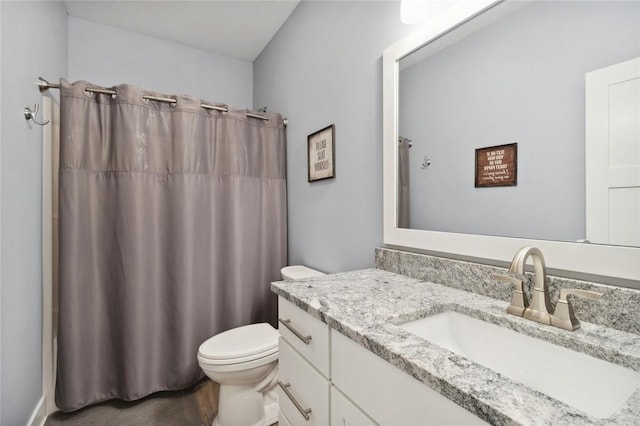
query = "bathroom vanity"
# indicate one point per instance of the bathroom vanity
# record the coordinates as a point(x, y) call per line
point(312, 392)
point(363, 365)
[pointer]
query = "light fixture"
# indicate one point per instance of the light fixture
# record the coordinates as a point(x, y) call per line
point(420, 11)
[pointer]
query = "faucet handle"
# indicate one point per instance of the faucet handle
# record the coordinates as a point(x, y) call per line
point(564, 316)
point(518, 299)
point(586, 294)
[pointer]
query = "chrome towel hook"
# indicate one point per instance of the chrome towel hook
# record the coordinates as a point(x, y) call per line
point(30, 114)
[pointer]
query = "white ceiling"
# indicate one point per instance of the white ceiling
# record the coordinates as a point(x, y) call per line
point(236, 28)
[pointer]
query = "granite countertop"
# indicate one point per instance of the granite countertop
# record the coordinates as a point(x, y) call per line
point(366, 305)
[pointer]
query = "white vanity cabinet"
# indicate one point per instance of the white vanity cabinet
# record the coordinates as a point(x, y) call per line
point(304, 384)
point(346, 413)
point(386, 393)
point(346, 385)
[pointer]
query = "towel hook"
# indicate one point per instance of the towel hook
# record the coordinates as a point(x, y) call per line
point(426, 163)
point(30, 114)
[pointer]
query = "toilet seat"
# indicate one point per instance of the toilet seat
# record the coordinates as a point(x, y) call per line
point(240, 345)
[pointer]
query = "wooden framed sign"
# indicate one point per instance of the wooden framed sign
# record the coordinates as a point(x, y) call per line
point(321, 157)
point(497, 166)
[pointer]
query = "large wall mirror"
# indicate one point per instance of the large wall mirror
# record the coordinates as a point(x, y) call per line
point(558, 82)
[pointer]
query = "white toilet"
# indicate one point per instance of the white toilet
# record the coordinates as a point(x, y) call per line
point(244, 361)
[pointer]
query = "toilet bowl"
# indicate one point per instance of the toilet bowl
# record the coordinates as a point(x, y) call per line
point(244, 361)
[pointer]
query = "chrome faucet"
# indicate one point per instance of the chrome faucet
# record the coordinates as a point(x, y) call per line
point(540, 308)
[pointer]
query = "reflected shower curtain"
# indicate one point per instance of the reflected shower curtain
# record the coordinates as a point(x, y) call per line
point(172, 226)
point(403, 183)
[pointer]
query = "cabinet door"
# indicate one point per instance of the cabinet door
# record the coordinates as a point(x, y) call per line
point(282, 420)
point(345, 413)
point(386, 393)
point(301, 388)
point(315, 349)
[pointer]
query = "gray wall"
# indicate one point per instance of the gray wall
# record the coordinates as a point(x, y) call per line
point(38, 39)
point(521, 80)
point(34, 42)
point(0, 214)
point(324, 66)
point(107, 56)
point(0, 217)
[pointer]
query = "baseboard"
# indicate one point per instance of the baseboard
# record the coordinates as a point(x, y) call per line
point(39, 416)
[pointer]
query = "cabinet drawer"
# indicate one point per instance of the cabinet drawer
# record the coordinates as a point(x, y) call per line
point(345, 413)
point(306, 387)
point(308, 335)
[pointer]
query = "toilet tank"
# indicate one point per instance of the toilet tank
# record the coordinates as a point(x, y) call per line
point(298, 272)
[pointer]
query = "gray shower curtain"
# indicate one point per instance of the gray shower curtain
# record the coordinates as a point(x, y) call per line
point(404, 217)
point(172, 226)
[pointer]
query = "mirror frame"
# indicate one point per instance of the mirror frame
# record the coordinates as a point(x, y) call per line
point(593, 259)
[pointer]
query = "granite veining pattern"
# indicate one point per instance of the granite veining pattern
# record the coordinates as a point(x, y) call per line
point(618, 308)
point(367, 306)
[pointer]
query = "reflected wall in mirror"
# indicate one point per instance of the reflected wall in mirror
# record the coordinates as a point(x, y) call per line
point(613, 264)
point(520, 79)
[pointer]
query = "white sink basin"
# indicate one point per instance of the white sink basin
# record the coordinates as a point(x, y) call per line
point(596, 387)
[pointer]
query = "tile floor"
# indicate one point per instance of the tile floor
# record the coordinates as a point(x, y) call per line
point(196, 406)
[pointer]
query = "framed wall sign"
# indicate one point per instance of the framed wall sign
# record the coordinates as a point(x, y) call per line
point(321, 155)
point(497, 166)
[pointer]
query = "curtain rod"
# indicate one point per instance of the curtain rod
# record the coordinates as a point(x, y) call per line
point(44, 85)
point(407, 140)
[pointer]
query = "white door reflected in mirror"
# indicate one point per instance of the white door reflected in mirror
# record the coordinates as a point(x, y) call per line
point(613, 154)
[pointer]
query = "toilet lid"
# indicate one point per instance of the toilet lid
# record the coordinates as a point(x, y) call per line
point(241, 344)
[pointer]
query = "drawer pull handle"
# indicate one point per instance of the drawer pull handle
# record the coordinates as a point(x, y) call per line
point(285, 388)
point(287, 323)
